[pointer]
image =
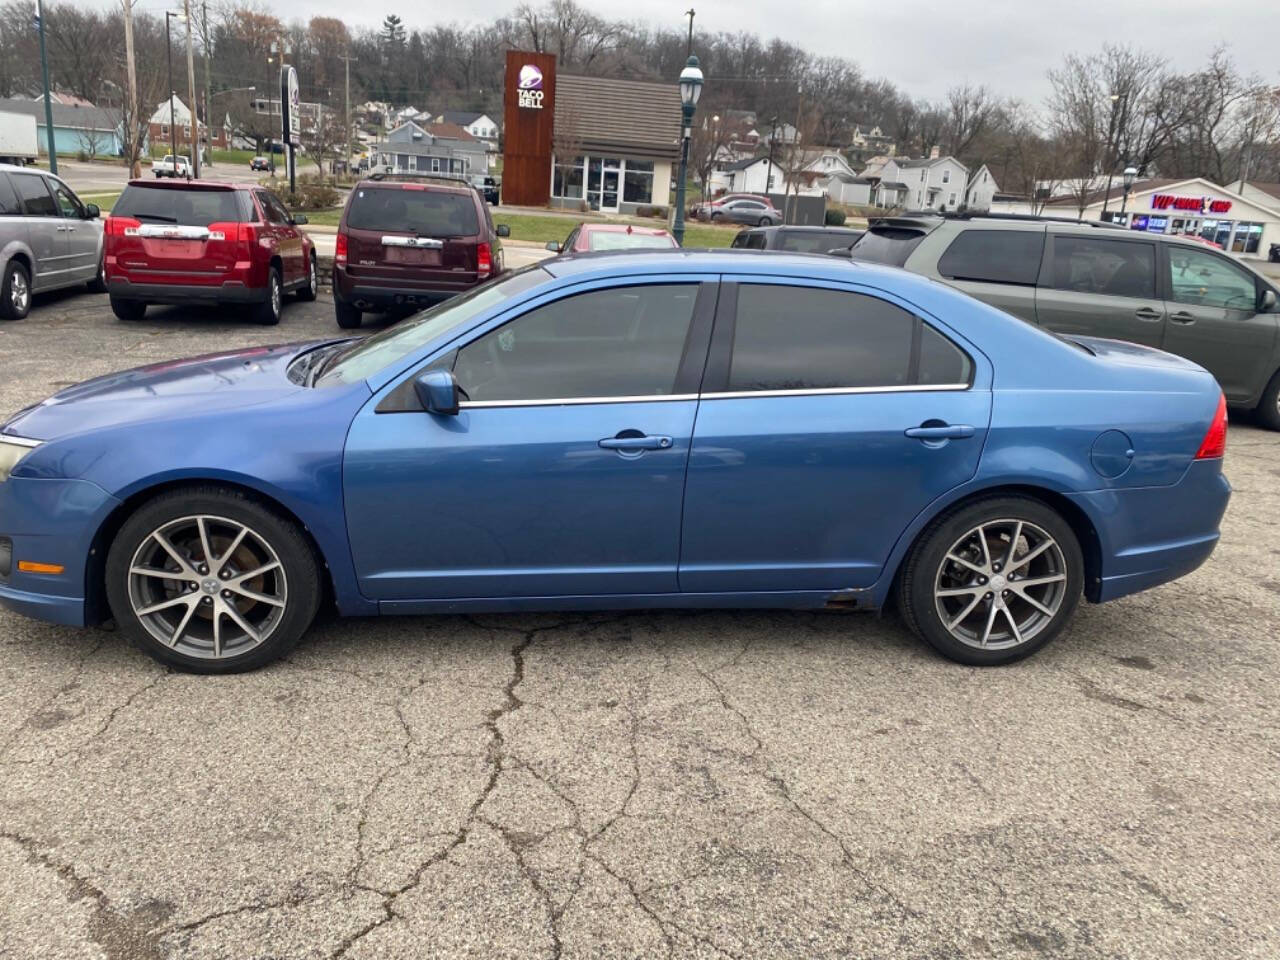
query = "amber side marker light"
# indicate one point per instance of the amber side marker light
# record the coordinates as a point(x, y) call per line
point(28, 566)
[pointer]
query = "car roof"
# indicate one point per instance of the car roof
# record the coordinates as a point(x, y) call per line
point(623, 228)
point(174, 183)
point(418, 183)
point(814, 266)
point(802, 228)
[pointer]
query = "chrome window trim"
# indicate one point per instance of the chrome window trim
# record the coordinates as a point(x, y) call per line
point(565, 401)
point(19, 441)
point(836, 391)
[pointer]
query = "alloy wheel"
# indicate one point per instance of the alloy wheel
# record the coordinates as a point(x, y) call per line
point(19, 293)
point(275, 296)
point(1000, 584)
point(207, 586)
point(311, 279)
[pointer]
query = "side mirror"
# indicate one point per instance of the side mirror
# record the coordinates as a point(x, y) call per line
point(298, 219)
point(438, 392)
point(553, 246)
point(1268, 301)
point(503, 230)
point(91, 211)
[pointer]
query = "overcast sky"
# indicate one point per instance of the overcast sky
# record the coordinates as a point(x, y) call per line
point(923, 46)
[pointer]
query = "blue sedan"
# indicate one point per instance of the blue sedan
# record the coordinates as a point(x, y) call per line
point(648, 430)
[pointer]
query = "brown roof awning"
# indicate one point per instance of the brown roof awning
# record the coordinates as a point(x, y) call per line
point(628, 117)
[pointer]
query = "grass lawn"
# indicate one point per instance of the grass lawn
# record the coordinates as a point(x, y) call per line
point(233, 157)
point(105, 201)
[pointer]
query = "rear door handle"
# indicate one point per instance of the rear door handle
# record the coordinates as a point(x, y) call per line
point(636, 443)
point(1146, 313)
point(952, 431)
point(1182, 317)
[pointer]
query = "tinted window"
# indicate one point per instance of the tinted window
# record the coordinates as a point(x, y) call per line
point(622, 342)
point(1203, 279)
point(891, 245)
point(186, 207)
point(1110, 267)
point(68, 203)
point(34, 195)
point(815, 241)
point(994, 256)
point(941, 361)
point(428, 213)
point(9, 205)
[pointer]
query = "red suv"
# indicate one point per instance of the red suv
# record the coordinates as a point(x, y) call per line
point(179, 241)
point(408, 241)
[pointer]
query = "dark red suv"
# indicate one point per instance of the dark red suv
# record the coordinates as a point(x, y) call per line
point(407, 241)
point(179, 241)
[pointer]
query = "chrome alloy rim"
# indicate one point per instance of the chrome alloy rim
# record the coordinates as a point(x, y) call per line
point(275, 296)
point(207, 587)
point(18, 292)
point(312, 278)
point(1000, 584)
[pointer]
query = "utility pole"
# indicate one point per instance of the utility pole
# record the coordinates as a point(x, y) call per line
point(135, 133)
point(205, 34)
point(347, 60)
point(689, 47)
point(48, 102)
point(191, 92)
point(173, 120)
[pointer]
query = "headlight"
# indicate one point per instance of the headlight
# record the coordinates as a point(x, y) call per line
point(13, 449)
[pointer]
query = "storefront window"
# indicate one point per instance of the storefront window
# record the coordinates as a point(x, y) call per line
point(637, 183)
point(1247, 238)
point(567, 178)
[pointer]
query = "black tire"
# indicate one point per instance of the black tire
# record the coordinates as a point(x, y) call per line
point(99, 282)
point(307, 292)
point(296, 557)
point(348, 317)
point(15, 307)
point(267, 312)
point(715, 217)
point(1269, 407)
point(924, 564)
point(128, 310)
point(765, 222)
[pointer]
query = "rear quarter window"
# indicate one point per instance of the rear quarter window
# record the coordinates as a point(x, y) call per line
point(994, 256)
point(188, 208)
point(412, 209)
point(8, 199)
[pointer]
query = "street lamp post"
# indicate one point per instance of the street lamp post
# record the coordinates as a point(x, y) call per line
point(690, 91)
point(169, 15)
point(1111, 152)
point(1130, 175)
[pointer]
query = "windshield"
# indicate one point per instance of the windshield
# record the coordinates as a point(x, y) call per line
point(185, 207)
point(366, 357)
point(891, 245)
point(413, 208)
point(617, 240)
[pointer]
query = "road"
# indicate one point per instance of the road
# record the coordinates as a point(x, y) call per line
point(88, 178)
point(685, 785)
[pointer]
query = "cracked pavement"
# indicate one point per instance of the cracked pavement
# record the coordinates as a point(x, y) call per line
point(684, 784)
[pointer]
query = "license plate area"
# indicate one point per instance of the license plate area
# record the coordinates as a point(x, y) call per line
point(175, 249)
point(412, 256)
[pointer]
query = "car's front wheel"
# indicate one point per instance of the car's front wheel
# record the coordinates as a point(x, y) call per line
point(993, 581)
point(207, 580)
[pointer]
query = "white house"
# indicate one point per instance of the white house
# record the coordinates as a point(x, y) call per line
point(886, 182)
point(934, 182)
point(981, 189)
point(751, 175)
point(835, 177)
point(479, 125)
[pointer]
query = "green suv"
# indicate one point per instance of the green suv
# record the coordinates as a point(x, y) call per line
point(1096, 280)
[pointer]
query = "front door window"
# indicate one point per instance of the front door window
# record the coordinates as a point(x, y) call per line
point(603, 178)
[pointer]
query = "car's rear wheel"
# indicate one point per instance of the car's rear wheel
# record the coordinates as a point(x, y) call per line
point(268, 312)
point(307, 291)
point(128, 309)
point(207, 580)
point(765, 221)
point(99, 282)
point(1269, 408)
point(349, 317)
point(993, 581)
point(15, 292)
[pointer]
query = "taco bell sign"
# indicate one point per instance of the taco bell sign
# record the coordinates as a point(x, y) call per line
point(529, 87)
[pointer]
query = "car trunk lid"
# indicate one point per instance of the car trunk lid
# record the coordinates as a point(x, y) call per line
point(412, 235)
point(191, 233)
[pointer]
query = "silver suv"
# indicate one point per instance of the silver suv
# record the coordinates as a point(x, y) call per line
point(48, 239)
point(1096, 280)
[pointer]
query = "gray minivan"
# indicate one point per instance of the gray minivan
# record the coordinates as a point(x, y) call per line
point(1096, 280)
point(48, 239)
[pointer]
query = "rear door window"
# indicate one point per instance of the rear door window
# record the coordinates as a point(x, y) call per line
point(271, 208)
point(34, 195)
point(1116, 268)
point(413, 209)
point(994, 256)
point(890, 245)
point(187, 208)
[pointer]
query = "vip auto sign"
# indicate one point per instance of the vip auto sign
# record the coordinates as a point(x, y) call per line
point(1170, 201)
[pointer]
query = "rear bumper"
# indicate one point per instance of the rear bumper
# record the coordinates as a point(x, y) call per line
point(371, 295)
point(1152, 535)
point(231, 291)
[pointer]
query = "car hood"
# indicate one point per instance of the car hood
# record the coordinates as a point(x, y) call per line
point(217, 381)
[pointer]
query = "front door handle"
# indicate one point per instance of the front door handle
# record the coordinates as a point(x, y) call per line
point(636, 443)
point(1146, 313)
point(1182, 317)
point(946, 431)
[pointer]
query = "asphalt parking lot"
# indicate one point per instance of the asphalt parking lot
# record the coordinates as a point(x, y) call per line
point(688, 785)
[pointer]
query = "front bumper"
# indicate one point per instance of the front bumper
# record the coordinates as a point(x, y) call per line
point(230, 292)
point(51, 521)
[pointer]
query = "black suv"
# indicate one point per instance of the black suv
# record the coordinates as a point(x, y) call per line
point(411, 241)
point(798, 239)
point(1100, 280)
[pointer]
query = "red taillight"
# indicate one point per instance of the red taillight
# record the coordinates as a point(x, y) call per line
point(1215, 441)
point(340, 249)
point(484, 260)
point(122, 227)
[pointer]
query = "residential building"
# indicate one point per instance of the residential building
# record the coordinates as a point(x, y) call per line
point(886, 185)
point(868, 142)
point(310, 113)
point(934, 182)
point(76, 129)
point(479, 125)
point(439, 148)
point(980, 190)
point(158, 128)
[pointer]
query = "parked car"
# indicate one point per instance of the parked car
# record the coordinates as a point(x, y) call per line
point(587, 237)
point(171, 166)
point(198, 241)
point(702, 211)
point(487, 187)
point(755, 212)
point(623, 432)
point(260, 163)
point(406, 241)
point(798, 239)
point(49, 239)
point(1102, 281)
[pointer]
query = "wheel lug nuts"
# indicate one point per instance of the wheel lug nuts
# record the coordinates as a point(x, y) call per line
point(208, 599)
point(226, 594)
point(990, 595)
point(982, 580)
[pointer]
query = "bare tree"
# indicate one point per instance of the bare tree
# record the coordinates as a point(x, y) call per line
point(969, 112)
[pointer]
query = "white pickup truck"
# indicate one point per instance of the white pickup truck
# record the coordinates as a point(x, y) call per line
point(171, 166)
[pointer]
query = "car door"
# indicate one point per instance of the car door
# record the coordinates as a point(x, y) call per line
point(288, 238)
point(1213, 309)
point(1101, 286)
point(996, 266)
point(746, 211)
point(831, 415)
point(45, 233)
point(84, 236)
point(561, 475)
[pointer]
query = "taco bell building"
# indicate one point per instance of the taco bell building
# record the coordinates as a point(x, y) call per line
point(586, 143)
